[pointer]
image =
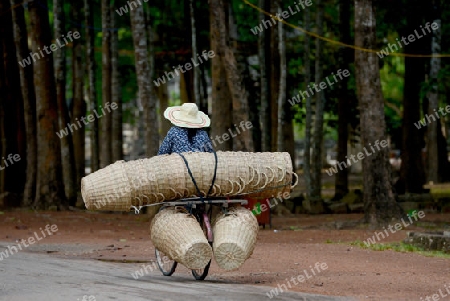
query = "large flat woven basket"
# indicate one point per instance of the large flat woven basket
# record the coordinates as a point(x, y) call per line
point(235, 236)
point(163, 178)
point(178, 235)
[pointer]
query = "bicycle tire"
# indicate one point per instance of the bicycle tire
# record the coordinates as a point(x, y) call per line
point(159, 260)
point(202, 273)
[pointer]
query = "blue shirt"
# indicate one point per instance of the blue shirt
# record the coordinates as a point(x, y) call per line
point(177, 141)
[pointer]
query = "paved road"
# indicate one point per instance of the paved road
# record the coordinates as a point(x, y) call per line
point(40, 277)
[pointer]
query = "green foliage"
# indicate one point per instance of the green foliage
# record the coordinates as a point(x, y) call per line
point(171, 21)
point(392, 82)
point(400, 247)
point(245, 18)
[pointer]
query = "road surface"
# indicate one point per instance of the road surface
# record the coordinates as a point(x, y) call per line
point(40, 277)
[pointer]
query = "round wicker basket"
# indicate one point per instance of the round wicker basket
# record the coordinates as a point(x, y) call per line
point(235, 236)
point(178, 235)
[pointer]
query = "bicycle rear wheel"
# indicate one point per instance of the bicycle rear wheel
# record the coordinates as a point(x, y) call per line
point(200, 274)
point(165, 264)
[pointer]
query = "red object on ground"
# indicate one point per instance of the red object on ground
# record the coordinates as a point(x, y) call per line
point(261, 209)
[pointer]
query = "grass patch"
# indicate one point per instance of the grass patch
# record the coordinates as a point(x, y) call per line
point(442, 190)
point(400, 247)
point(428, 225)
point(295, 228)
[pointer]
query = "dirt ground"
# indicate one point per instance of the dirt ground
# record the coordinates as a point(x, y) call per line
point(293, 244)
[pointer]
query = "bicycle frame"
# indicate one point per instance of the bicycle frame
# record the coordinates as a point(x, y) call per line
point(209, 234)
point(193, 202)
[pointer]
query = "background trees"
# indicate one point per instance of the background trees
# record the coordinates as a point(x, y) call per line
point(259, 65)
point(379, 202)
point(49, 184)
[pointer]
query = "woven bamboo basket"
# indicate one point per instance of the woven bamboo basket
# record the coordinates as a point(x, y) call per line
point(235, 236)
point(164, 178)
point(112, 192)
point(178, 235)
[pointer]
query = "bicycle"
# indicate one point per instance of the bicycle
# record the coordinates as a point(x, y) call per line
point(197, 207)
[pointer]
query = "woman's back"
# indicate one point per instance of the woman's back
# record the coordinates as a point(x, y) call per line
point(180, 140)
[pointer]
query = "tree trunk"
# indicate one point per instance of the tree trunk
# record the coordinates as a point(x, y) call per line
point(288, 131)
point(444, 164)
point(379, 202)
point(285, 135)
point(433, 106)
point(221, 118)
point(2, 125)
point(196, 71)
point(308, 115)
point(184, 88)
point(138, 149)
point(274, 79)
point(163, 96)
point(152, 211)
point(152, 66)
point(253, 101)
point(282, 91)
point(249, 84)
point(341, 178)
point(316, 173)
point(79, 105)
point(49, 189)
point(29, 101)
point(14, 128)
point(67, 149)
point(411, 171)
point(116, 128)
point(92, 78)
point(265, 69)
point(243, 141)
point(106, 121)
point(146, 91)
point(204, 88)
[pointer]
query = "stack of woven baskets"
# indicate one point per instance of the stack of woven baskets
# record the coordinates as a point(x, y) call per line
point(122, 185)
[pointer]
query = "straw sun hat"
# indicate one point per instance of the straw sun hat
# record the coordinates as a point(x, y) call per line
point(187, 116)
